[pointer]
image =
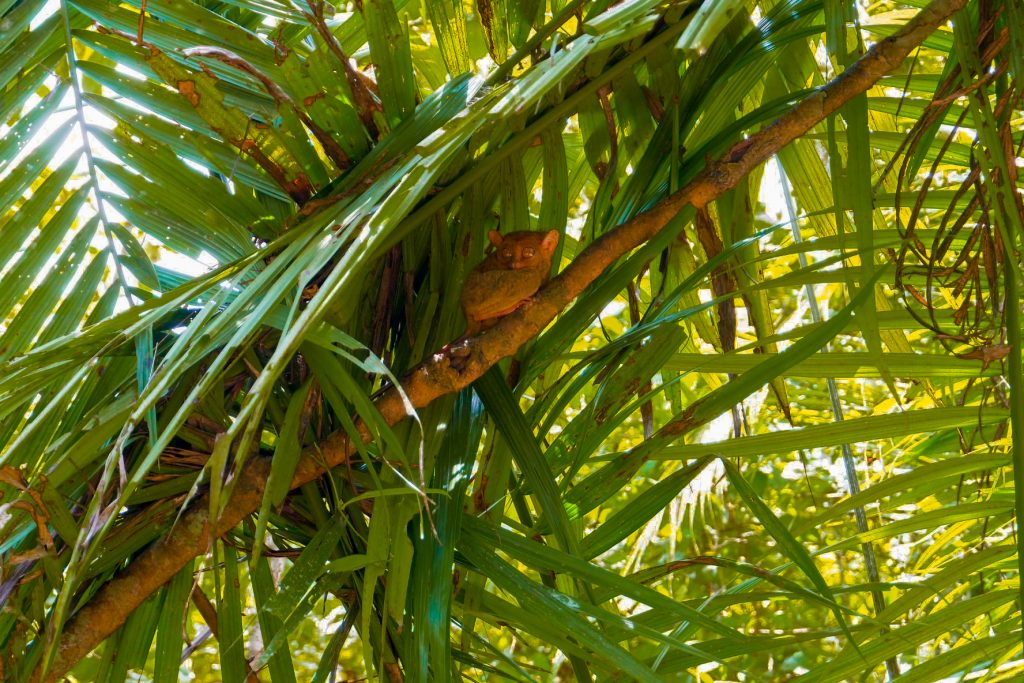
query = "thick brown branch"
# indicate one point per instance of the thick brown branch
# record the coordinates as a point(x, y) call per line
point(109, 608)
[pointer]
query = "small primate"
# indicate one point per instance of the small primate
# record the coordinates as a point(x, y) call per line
point(508, 278)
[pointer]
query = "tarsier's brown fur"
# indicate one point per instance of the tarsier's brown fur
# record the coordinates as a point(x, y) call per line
point(508, 278)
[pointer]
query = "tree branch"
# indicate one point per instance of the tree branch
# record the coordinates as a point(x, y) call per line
point(191, 537)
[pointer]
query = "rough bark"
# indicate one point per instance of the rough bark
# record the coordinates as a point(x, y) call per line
point(192, 536)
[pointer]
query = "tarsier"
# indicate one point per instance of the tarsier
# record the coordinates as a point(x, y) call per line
point(508, 278)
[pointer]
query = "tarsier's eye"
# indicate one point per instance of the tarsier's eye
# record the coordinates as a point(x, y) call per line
point(506, 253)
point(528, 252)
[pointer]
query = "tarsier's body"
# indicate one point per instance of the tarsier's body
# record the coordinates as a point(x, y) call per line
point(508, 278)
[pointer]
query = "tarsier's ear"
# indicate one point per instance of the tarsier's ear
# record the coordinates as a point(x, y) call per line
point(495, 237)
point(550, 241)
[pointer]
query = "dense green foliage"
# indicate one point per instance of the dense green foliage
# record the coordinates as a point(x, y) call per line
point(774, 440)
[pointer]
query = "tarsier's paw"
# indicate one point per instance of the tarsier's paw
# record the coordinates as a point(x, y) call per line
point(526, 303)
point(459, 357)
point(457, 354)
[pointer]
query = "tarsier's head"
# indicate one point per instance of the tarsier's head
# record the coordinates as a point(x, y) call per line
point(524, 249)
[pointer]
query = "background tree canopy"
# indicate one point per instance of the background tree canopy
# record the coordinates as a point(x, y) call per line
point(759, 425)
